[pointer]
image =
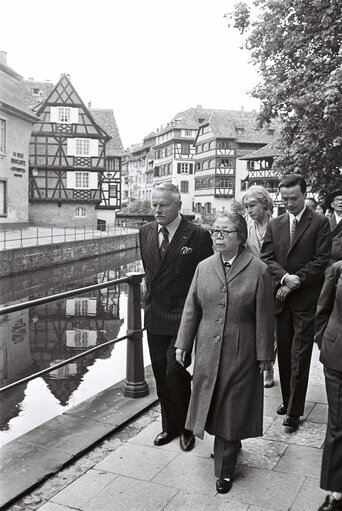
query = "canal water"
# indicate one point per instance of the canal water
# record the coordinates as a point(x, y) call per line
point(34, 339)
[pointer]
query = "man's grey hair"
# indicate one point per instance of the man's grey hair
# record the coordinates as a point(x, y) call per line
point(169, 187)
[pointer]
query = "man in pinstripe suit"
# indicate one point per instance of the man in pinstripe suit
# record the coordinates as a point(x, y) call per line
point(170, 257)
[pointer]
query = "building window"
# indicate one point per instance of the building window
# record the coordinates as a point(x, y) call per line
point(225, 162)
point(3, 191)
point(80, 212)
point(270, 132)
point(184, 186)
point(225, 144)
point(185, 149)
point(113, 164)
point(224, 182)
point(81, 179)
point(187, 133)
point(113, 191)
point(64, 114)
point(185, 168)
point(2, 136)
point(82, 146)
point(207, 208)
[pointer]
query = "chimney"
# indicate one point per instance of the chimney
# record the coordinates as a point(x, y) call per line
point(199, 107)
point(89, 104)
point(3, 57)
point(242, 109)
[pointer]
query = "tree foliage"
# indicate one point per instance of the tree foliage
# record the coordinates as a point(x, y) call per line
point(138, 207)
point(296, 45)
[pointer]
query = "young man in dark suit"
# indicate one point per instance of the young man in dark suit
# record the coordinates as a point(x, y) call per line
point(297, 247)
point(171, 247)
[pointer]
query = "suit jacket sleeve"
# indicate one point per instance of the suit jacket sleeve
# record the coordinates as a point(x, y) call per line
point(320, 260)
point(191, 317)
point(205, 248)
point(326, 302)
point(268, 256)
point(265, 317)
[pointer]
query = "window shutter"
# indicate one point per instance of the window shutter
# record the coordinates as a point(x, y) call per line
point(71, 179)
point(92, 306)
point(191, 168)
point(178, 168)
point(70, 338)
point(74, 115)
point(70, 307)
point(53, 113)
point(93, 180)
point(93, 147)
point(71, 146)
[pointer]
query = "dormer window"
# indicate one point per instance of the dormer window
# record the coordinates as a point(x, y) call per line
point(239, 131)
point(270, 131)
point(63, 114)
point(36, 91)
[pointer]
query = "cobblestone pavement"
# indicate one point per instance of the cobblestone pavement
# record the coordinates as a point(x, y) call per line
point(126, 472)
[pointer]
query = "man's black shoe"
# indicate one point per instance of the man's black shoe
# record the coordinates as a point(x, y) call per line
point(223, 486)
point(281, 410)
point(164, 438)
point(291, 421)
point(187, 441)
point(331, 504)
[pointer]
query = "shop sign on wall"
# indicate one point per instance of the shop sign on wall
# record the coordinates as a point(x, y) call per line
point(18, 164)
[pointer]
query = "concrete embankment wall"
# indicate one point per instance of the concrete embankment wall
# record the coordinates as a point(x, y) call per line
point(36, 257)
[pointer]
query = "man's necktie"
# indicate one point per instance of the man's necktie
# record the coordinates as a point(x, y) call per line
point(165, 243)
point(293, 230)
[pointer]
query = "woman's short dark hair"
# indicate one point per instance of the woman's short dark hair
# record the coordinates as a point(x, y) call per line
point(239, 224)
point(323, 206)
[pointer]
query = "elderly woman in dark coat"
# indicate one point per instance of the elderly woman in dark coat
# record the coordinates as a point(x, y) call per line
point(229, 310)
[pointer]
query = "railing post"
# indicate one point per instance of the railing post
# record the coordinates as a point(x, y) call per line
point(135, 384)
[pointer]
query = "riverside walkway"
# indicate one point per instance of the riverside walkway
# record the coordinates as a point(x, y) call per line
point(126, 472)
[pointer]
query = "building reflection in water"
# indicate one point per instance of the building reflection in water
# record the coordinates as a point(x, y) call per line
point(43, 336)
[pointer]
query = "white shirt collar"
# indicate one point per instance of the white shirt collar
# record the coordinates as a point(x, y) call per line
point(230, 261)
point(337, 217)
point(298, 217)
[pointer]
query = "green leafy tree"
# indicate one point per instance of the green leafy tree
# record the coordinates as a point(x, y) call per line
point(296, 46)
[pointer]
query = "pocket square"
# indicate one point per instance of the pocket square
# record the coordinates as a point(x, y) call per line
point(186, 250)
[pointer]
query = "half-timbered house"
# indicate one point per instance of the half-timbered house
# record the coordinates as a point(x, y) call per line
point(220, 142)
point(175, 152)
point(110, 178)
point(67, 161)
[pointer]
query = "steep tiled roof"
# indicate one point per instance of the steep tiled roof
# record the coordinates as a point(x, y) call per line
point(13, 92)
point(240, 125)
point(268, 151)
point(106, 120)
point(44, 90)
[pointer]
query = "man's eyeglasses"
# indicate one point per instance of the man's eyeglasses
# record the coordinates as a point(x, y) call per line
point(223, 232)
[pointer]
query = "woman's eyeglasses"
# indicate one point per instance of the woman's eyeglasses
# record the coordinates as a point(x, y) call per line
point(223, 232)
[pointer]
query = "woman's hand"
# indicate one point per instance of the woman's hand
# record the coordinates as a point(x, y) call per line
point(180, 356)
point(265, 365)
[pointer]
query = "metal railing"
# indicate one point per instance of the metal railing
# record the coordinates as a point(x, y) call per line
point(33, 236)
point(134, 385)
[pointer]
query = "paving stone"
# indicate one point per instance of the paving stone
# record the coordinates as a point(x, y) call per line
point(301, 460)
point(188, 501)
point(261, 453)
point(310, 496)
point(126, 494)
point(317, 393)
point(319, 413)
point(83, 489)
point(265, 488)
point(136, 461)
point(309, 433)
point(50, 506)
point(147, 436)
point(186, 472)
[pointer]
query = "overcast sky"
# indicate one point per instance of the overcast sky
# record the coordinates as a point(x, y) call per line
point(145, 59)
